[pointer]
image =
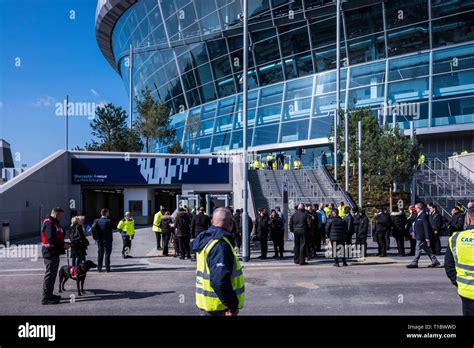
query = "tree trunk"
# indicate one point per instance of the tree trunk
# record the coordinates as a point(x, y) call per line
point(146, 145)
point(390, 196)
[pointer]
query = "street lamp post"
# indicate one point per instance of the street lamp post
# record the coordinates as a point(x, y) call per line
point(359, 157)
point(67, 124)
point(245, 234)
point(130, 63)
point(338, 81)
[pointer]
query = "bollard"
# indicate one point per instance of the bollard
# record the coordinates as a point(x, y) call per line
point(6, 232)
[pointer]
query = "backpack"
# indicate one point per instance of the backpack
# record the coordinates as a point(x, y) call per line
point(95, 230)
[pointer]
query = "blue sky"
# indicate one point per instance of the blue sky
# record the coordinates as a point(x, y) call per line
point(58, 56)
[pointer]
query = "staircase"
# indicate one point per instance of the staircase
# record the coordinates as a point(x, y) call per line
point(304, 186)
point(444, 186)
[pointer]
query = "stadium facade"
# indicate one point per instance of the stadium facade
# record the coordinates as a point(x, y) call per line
point(405, 60)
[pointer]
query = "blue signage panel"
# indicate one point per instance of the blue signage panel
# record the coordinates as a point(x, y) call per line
point(152, 171)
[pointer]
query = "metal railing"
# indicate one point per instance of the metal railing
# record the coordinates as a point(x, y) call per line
point(455, 184)
point(464, 171)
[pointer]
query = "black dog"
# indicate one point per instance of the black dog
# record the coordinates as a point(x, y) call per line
point(78, 273)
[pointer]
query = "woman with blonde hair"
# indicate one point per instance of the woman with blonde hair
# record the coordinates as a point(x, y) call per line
point(79, 242)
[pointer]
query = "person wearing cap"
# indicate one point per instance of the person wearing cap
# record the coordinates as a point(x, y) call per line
point(459, 264)
point(127, 230)
point(52, 241)
point(157, 226)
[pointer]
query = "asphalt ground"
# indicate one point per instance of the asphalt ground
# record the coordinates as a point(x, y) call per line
point(151, 284)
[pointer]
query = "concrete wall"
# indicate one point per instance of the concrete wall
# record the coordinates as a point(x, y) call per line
point(464, 164)
point(143, 195)
point(30, 196)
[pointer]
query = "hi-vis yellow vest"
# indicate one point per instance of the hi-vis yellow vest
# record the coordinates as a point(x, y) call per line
point(157, 222)
point(206, 298)
point(462, 247)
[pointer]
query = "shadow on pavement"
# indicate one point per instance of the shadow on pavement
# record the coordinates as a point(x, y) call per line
point(144, 269)
point(100, 294)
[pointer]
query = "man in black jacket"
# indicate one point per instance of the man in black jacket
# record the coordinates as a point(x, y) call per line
point(336, 230)
point(300, 223)
point(456, 224)
point(349, 219)
point(398, 222)
point(421, 228)
point(52, 240)
point(200, 222)
point(183, 233)
point(262, 230)
point(409, 233)
point(105, 229)
point(436, 224)
point(382, 227)
point(362, 232)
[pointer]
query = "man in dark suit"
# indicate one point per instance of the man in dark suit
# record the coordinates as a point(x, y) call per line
point(105, 231)
point(422, 231)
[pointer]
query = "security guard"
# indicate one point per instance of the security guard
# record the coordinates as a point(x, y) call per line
point(127, 229)
point(286, 166)
point(257, 164)
point(297, 164)
point(270, 161)
point(220, 285)
point(157, 226)
point(465, 152)
point(274, 165)
point(459, 265)
point(342, 211)
point(421, 160)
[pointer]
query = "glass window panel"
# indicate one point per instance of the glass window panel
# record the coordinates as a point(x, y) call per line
point(226, 106)
point(325, 57)
point(454, 84)
point(363, 21)
point(220, 142)
point(295, 109)
point(259, 10)
point(326, 104)
point(193, 98)
point(251, 80)
point(401, 12)
point(367, 74)
point(203, 145)
point(179, 102)
point(408, 39)
point(237, 138)
point(203, 74)
point(453, 30)
point(199, 54)
point(265, 46)
point(226, 87)
point(452, 59)
point(304, 64)
point(206, 12)
point(365, 97)
point(224, 123)
point(321, 127)
point(271, 95)
point(440, 8)
point(299, 88)
point(228, 11)
point(265, 135)
point(417, 112)
point(294, 39)
point(366, 49)
point(171, 69)
point(221, 67)
point(208, 92)
point(159, 35)
point(189, 80)
point(282, 8)
point(454, 111)
point(208, 111)
point(270, 73)
point(217, 48)
point(326, 83)
point(311, 4)
point(269, 114)
point(323, 31)
point(412, 90)
point(408, 67)
point(237, 60)
point(168, 8)
point(294, 131)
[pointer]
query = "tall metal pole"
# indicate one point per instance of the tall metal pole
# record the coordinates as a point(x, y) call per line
point(245, 234)
point(359, 158)
point(67, 124)
point(130, 58)
point(338, 81)
point(413, 179)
